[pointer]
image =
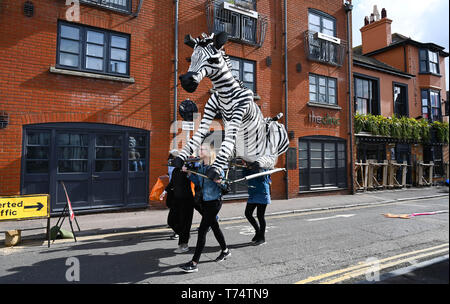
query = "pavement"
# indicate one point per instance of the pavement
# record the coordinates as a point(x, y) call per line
point(125, 221)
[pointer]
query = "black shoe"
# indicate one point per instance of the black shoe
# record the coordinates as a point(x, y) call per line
point(223, 255)
point(259, 241)
point(255, 238)
point(189, 267)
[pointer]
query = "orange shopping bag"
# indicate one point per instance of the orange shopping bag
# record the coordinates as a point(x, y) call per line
point(157, 189)
point(193, 189)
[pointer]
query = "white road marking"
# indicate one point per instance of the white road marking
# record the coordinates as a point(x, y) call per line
point(331, 217)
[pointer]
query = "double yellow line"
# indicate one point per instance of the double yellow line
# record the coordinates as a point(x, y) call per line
point(364, 268)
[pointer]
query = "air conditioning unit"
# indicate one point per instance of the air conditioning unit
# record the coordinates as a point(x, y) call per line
point(241, 10)
point(327, 38)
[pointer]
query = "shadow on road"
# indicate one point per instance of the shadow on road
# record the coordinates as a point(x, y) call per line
point(105, 267)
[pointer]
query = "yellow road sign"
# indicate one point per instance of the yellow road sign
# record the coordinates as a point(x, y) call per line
point(24, 207)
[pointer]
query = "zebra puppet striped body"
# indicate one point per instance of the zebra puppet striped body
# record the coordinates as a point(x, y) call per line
point(248, 134)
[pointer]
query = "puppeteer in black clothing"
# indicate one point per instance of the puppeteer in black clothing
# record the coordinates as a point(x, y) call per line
point(181, 207)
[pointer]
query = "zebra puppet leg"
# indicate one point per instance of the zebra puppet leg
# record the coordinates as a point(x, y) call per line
point(277, 143)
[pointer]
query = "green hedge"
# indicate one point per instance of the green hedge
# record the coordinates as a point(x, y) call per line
point(401, 128)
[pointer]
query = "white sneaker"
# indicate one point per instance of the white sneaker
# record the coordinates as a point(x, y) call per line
point(182, 248)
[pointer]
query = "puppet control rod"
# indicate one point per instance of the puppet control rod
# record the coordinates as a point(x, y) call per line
point(248, 177)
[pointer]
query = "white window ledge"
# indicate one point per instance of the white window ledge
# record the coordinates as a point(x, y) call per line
point(90, 75)
point(322, 105)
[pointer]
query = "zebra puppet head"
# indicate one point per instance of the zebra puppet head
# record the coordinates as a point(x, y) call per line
point(206, 58)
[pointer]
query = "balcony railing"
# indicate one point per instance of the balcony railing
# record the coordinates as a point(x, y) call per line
point(329, 51)
point(241, 23)
point(117, 5)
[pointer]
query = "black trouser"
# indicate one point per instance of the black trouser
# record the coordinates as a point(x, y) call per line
point(260, 212)
point(210, 210)
point(180, 218)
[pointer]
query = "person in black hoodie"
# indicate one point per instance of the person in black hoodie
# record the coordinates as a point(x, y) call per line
point(182, 208)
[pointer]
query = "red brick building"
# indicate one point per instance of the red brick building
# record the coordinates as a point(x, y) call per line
point(88, 93)
point(396, 75)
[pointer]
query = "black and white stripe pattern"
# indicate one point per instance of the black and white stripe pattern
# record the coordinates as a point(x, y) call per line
point(247, 133)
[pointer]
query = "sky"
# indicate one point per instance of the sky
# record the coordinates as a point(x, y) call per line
point(422, 20)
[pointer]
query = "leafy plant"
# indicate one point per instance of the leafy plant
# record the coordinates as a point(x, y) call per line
point(401, 128)
point(442, 130)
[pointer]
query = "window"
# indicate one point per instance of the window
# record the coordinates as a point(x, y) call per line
point(238, 18)
point(400, 99)
point(137, 151)
point(72, 151)
point(108, 153)
point(322, 89)
point(37, 152)
point(366, 151)
point(322, 23)
point(92, 50)
point(431, 105)
point(244, 70)
point(366, 96)
point(434, 154)
point(322, 163)
point(321, 42)
point(119, 5)
point(428, 61)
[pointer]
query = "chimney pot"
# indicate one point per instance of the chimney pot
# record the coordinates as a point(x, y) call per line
point(366, 21)
point(383, 13)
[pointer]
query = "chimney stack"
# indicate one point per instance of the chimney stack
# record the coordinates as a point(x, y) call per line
point(376, 34)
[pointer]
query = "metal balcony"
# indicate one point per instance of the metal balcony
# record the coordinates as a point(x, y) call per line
point(117, 5)
point(324, 51)
point(243, 24)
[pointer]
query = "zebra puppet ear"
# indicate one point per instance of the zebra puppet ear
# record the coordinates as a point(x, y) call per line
point(189, 41)
point(220, 39)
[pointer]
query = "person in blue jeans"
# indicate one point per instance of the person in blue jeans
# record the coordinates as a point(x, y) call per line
point(258, 198)
point(211, 204)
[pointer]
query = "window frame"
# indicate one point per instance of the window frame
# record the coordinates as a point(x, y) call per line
point(375, 101)
point(406, 98)
point(429, 105)
point(241, 71)
point(327, 89)
point(428, 62)
point(83, 44)
point(322, 15)
point(26, 159)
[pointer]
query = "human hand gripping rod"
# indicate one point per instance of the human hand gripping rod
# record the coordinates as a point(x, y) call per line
point(224, 181)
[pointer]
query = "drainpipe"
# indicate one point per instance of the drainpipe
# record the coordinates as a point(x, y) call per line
point(175, 79)
point(286, 89)
point(348, 8)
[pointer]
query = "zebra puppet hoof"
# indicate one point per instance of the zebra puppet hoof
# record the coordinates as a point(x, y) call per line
point(177, 162)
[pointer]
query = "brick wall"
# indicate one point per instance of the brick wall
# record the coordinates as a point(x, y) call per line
point(31, 94)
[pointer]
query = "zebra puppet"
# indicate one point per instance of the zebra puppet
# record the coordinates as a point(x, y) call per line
point(248, 135)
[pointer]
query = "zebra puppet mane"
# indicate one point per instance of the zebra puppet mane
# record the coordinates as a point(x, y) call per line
point(246, 130)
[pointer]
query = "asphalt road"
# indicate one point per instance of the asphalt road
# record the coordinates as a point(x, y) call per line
point(334, 246)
